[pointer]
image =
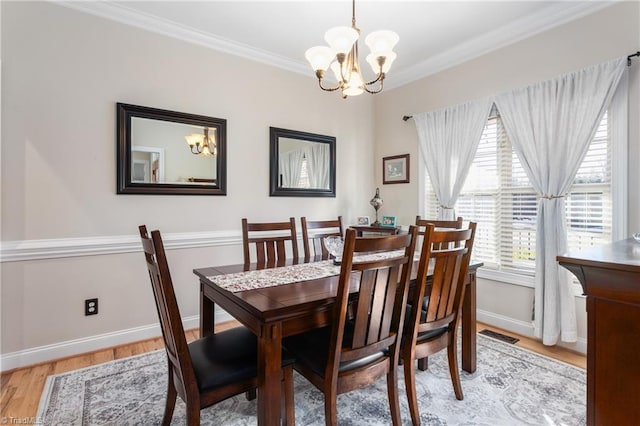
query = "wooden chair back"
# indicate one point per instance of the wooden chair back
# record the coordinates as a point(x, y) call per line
point(270, 249)
point(314, 243)
point(374, 321)
point(175, 341)
point(435, 305)
point(422, 223)
point(449, 266)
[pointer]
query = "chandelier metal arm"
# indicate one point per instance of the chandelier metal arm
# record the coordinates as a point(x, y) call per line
point(373, 92)
point(348, 73)
point(329, 89)
point(379, 78)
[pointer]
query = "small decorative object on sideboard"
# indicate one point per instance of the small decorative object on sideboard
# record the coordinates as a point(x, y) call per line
point(636, 236)
point(389, 221)
point(362, 220)
point(376, 202)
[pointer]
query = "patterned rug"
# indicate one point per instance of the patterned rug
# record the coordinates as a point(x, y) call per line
point(511, 386)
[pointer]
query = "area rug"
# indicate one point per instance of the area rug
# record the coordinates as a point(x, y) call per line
point(511, 386)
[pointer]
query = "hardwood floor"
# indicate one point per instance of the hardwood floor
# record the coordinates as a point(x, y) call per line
point(20, 389)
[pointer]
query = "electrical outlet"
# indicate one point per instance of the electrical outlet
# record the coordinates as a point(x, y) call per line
point(91, 307)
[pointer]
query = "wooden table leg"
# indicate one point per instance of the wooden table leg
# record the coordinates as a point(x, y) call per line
point(207, 308)
point(469, 326)
point(269, 374)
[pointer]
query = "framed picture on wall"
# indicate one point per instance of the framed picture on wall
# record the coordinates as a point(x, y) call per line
point(388, 221)
point(395, 169)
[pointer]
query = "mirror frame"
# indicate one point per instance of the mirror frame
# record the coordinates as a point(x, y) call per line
point(277, 191)
point(125, 185)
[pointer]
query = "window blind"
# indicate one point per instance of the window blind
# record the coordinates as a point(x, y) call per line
point(499, 197)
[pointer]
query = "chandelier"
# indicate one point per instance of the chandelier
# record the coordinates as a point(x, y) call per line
point(343, 48)
point(202, 144)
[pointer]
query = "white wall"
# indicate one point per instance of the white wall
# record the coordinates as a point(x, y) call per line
point(604, 35)
point(63, 72)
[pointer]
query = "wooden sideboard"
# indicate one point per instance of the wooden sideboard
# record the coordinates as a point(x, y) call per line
point(610, 278)
point(370, 229)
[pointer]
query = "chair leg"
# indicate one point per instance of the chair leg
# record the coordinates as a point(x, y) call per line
point(193, 413)
point(171, 399)
point(452, 353)
point(410, 385)
point(289, 402)
point(423, 363)
point(330, 409)
point(392, 393)
point(251, 395)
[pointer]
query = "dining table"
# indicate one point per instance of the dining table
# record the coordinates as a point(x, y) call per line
point(293, 296)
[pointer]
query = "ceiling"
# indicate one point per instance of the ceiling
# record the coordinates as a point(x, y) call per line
point(434, 35)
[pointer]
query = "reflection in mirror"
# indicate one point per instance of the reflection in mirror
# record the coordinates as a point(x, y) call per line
point(166, 152)
point(302, 164)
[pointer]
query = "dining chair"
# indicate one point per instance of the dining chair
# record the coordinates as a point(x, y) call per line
point(422, 223)
point(270, 249)
point(314, 244)
point(434, 328)
point(362, 343)
point(210, 369)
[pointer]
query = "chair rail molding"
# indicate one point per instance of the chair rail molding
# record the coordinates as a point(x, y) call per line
point(21, 250)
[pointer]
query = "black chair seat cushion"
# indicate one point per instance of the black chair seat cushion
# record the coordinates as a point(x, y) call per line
point(312, 350)
point(425, 335)
point(227, 357)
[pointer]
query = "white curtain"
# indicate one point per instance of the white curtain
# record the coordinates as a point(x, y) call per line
point(448, 140)
point(318, 165)
point(290, 168)
point(551, 125)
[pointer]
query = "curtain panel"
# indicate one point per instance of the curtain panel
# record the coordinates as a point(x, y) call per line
point(550, 125)
point(448, 140)
point(290, 168)
point(318, 165)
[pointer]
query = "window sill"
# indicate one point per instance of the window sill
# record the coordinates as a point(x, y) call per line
point(516, 279)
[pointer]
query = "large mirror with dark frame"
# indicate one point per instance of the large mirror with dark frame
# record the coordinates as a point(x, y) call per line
point(168, 152)
point(302, 164)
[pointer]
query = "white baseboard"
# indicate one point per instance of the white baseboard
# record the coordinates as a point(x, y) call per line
point(46, 353)
point(523, 328)
point(73, 347)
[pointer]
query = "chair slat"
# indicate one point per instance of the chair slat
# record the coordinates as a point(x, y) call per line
point(182, 378)
point(450, 251)
point(374, 326)
point(270, 248)
point(314, 243)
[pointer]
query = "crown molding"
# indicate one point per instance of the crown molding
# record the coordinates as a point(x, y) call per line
point(513, 32)
point(15, 251)
point(506, 35)
point(125, 15)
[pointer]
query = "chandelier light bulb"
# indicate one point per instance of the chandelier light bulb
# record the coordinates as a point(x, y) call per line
point(355, 85)
point(341, 39)
point(381, 41)
point(343, 58)
point(389, 57)
point(203, 144)
point(320, 57)
point(335, 67)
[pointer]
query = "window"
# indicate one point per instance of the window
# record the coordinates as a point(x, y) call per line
point(498, 196)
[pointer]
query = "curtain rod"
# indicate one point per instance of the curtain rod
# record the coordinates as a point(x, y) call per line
point(629, 58)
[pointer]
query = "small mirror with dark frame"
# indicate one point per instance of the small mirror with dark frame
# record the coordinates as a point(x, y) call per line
point(301, 164)
point(167, 152)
